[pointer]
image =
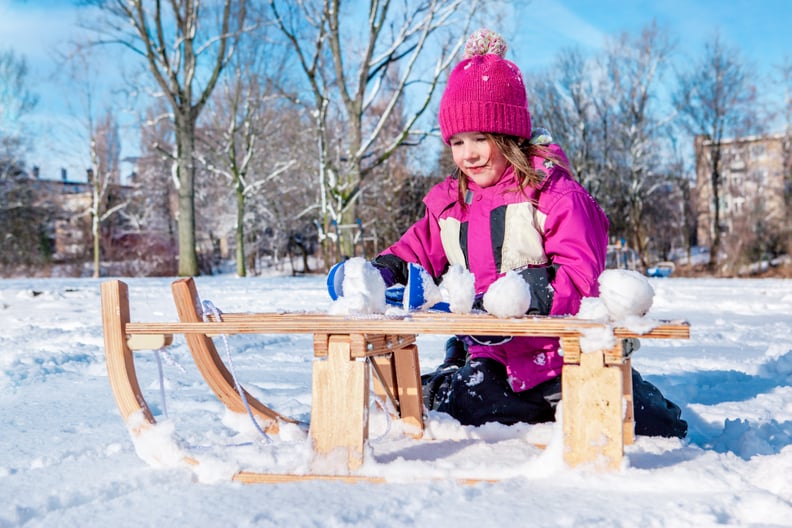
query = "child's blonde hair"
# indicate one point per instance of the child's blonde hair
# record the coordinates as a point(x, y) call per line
point(518, 152)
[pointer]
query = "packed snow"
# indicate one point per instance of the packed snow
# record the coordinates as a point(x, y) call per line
point(67, 458)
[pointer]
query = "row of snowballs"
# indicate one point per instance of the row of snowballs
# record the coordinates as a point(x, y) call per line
point(623, 293)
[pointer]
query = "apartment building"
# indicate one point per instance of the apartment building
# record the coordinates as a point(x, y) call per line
point(59, 207)
point(752, 189)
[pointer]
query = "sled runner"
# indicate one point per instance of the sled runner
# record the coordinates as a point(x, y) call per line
point(350, 351)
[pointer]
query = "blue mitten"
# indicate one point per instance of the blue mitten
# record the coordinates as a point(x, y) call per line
point(335, 281)
point(395, 295)
point(356, 287)
point(421, 292)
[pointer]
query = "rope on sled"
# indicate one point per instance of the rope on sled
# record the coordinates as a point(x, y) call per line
point(210, 309)
point(161, 381)
point(159, 355)
point(383, 406)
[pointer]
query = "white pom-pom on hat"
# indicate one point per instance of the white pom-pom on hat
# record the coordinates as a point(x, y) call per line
point(483, 42)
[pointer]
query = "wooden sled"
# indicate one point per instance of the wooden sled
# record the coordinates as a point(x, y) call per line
point(596, 386)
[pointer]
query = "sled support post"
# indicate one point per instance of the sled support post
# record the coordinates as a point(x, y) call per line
point(342, 372)
point(410, 392)
point(339, 402)
point(627, 394)
point(597, 405)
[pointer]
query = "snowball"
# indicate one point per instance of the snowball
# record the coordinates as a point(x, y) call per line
point(363, 287)
point(625, 293)
point(460, 285)
point(509, 296)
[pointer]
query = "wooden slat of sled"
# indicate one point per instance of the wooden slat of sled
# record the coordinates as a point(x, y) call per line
point(408, 387)
point(421, 323)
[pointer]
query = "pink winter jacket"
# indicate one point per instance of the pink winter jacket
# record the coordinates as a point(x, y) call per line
point(504, 229)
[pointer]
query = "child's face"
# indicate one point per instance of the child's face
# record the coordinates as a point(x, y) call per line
point(478, 158)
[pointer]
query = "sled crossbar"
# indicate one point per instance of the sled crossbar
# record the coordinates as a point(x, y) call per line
point(412, 324)
point(596, 386)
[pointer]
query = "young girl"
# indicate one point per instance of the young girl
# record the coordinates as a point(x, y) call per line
point(510, 206)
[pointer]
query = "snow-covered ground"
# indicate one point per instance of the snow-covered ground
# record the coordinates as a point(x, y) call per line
point(66, 458)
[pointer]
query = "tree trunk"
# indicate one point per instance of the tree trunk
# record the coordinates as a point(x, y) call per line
point(346, 233)
point(240, 228)
point(96, 247)
point(185, 139)
point(716, 238)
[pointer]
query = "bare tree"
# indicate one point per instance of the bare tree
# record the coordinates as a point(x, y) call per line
point(254, 141)
point(24, 222)
point(347, 59)
point(149, 219)
point(392, 200)
point(282, 204)
point(185, 56)
point(563, 102)
point(784, 74)
point(103, 177)
point(103, 146)
point(21, 220)
point(239, 127)
point(633, 75)
point(714, 97)
point(230, 142)
point(605, 110)
point(232, 145)
point(16, 100)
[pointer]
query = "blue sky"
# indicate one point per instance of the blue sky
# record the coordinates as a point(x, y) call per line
point(537, 30)
point(759, 28)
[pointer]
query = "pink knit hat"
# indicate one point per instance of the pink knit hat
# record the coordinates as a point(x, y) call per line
point(485, 92)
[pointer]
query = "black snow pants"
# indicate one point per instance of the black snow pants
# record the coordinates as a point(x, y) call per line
point(478, 392)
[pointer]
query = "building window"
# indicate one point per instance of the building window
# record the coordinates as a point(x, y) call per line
point(759, 176)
